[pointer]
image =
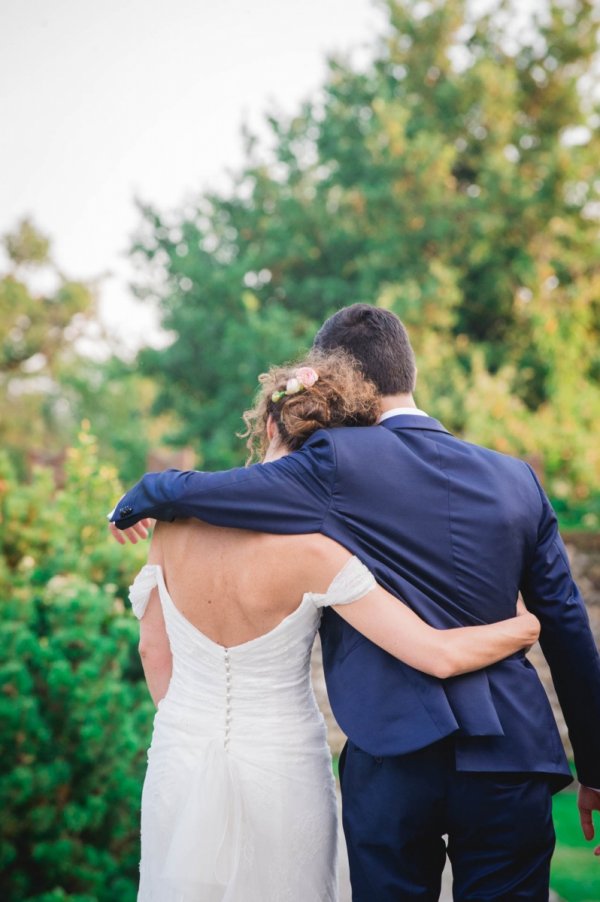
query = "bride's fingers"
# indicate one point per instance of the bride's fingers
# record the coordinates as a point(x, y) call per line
point(141, 528)
point(132, 534)
point(117, 534)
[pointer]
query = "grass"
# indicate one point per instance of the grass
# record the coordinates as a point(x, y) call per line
point(575, 869)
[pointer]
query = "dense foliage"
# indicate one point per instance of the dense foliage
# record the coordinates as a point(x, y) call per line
point(454, 180)
point(75, 713)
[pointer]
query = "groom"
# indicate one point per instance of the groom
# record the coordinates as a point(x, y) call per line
point(456, 531)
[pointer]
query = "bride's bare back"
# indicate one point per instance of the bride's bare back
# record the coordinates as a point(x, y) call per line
point(234, 585)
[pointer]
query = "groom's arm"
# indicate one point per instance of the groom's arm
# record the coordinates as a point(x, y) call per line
point(290, 495)
point(567, 641)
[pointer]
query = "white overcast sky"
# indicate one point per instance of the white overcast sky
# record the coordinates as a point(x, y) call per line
point(104, 101)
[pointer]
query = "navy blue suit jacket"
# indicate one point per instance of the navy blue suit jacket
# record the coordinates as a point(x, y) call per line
point(456, 531)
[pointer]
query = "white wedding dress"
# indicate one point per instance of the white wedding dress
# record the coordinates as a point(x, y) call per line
point(238, 803)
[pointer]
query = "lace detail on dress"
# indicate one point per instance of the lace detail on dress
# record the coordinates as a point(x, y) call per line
point(139, 592)
point(352, 582)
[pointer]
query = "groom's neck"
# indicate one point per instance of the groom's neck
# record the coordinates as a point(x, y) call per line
point(389, 402)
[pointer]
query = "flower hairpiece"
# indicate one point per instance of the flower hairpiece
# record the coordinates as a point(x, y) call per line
point(304, 377)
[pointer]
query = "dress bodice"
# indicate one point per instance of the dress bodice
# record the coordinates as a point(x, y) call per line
point(266, 677)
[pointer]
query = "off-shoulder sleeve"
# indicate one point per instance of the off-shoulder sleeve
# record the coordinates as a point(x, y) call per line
point(352, 582)
point(139, 592)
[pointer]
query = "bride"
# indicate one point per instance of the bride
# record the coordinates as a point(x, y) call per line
point(238, 803)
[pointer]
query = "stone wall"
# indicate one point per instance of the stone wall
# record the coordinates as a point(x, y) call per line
point(584, 553)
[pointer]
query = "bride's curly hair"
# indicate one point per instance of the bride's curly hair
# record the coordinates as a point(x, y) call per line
point(341, 397)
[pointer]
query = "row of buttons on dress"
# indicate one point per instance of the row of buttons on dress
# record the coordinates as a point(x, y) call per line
point(227, 698)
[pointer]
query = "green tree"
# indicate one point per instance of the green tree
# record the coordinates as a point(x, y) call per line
point(48, 384)
point(453, 179)
point(38, 331)
point(117, 401)
point(75, 713)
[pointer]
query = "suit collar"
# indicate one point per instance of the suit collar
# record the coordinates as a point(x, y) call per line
point(387, 414)
point(412, 421)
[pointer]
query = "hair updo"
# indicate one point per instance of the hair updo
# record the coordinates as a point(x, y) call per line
point(340, 397)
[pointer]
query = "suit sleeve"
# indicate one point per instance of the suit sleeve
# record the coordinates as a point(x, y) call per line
point(567, 641)
point(290, 495)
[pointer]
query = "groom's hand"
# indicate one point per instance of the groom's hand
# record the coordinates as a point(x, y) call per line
point(133, 534)
point(588, 800)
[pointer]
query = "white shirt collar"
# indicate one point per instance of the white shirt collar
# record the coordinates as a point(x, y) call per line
point(397, 411)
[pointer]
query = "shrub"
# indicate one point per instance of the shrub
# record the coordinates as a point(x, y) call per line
point(75, 712)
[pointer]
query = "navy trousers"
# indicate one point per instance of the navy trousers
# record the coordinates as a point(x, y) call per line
point(397, 810)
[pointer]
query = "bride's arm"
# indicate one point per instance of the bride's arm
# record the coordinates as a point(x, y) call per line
point(154, 647)
point(155, 650)
point(443, 653)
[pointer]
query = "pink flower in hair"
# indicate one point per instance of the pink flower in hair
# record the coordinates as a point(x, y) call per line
point(306, 376)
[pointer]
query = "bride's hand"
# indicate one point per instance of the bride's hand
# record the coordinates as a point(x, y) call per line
point(133, 533)
point(528, 623)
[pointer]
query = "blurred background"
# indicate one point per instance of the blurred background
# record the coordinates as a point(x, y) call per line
point(188, 190)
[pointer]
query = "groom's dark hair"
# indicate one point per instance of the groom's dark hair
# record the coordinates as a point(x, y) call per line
point(378, 340)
